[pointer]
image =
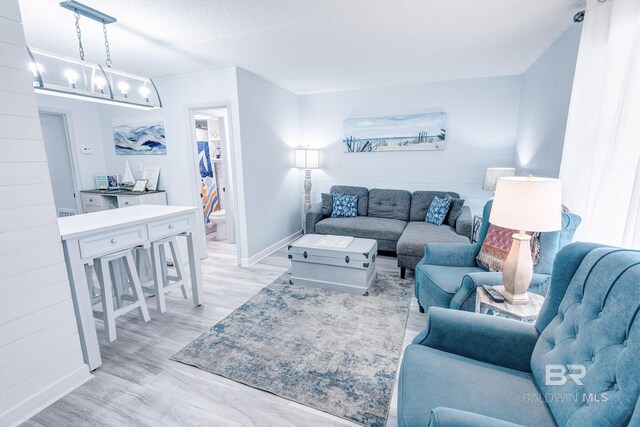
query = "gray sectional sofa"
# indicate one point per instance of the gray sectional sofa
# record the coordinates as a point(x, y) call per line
point(395, 218)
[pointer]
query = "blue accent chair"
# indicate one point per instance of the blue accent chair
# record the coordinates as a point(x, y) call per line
point(469, 369)
point(447, 275)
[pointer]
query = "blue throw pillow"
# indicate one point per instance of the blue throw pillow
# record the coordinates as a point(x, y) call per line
point(438, 210)
point(344, 206)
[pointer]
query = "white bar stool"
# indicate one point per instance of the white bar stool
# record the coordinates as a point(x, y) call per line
point(109, 287)
point(163, 282)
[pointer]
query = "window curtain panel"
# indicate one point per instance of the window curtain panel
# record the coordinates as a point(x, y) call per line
point(600, 161)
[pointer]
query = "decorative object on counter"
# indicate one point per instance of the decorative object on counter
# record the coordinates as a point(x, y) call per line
point(107, 182)
point(425, 131)
point(307, 159)
point(102, 183)
point(127, 176)
point(492, 175)
point(524, 203)
point(140, 186)
point(152, 174)
point(139, 137)
point(86, 81)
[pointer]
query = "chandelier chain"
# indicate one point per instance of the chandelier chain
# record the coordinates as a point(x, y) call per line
point(79, 34)
point(106, 45)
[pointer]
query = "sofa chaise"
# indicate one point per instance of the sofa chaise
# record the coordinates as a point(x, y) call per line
point(395, 218)
point(577, 365)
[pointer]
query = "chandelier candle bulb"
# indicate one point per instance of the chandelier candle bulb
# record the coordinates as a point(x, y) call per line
point(124, 88)
point(144, 91)
point(72, 78)
point(99, 83)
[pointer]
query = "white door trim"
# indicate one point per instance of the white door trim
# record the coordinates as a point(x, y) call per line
point(72, 149)
point(233, 189)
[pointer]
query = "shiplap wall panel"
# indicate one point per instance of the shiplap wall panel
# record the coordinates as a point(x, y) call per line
point(16, 263)
point(35, 343)
point(22, 151)
point(20, 173)
point(32, 281)
point(40, 355)
point(29, 217)
point(17, 81)
point(34, 302)
point(34, 324)
point(25, 239)
point(17, 196)
point(48, 380)
point(17, 104)
point(18, 127)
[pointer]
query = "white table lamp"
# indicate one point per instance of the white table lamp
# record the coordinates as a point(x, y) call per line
point(524, 203)
point(307, 159)
point(492, 175)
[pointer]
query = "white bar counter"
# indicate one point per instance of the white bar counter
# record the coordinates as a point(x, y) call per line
point(91, 235)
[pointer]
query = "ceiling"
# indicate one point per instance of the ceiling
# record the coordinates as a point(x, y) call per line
point(309, 46)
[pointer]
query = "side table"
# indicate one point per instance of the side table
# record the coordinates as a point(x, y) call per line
point(523, 312)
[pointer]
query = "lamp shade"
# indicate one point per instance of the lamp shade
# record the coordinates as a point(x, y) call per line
point(307, 159)
point(491, 176)
point(527, 203)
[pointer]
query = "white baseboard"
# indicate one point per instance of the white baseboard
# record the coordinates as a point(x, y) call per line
point(248, 262)
point(45, 397)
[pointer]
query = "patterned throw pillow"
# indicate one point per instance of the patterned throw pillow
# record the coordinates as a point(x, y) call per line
point(496, 247)
point(454, 211)
point(344, 206)
point(327, 204)
point(438, 210)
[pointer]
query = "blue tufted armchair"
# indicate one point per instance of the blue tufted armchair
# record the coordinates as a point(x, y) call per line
point(578, 365)
point(447, 275)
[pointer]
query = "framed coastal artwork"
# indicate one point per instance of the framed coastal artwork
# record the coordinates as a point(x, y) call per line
point(139, 136)
point(409, 132)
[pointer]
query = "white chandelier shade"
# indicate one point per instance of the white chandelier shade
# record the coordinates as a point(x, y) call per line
point(58, 75)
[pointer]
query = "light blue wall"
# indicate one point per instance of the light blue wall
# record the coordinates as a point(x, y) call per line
point(544, 105)
point(482, 117)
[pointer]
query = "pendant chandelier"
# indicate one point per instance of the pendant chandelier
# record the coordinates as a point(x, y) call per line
point(59, 75)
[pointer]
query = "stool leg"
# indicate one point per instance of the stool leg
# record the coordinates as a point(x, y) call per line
point(159, 277)
point(118, 289)
point(136, 286)
point(177, 261)
point(106, 289)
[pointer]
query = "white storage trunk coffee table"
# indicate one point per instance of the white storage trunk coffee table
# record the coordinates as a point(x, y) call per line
point(349, 269)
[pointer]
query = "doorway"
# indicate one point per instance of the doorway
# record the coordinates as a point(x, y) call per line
point(212, 147)
point(61, 170)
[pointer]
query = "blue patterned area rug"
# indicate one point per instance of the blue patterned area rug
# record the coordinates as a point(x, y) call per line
point(332, 351)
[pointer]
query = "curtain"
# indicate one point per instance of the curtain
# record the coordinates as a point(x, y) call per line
point(601, 156)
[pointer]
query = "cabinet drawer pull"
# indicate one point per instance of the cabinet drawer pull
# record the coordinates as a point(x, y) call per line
point(114, 241)
point(170, 226)
point(126, 203)
point(91, 200)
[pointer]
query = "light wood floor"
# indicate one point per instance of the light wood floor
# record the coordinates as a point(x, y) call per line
point(138, 384)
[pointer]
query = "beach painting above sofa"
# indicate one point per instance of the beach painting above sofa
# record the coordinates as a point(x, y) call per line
point(139, 136)
point(409, 132)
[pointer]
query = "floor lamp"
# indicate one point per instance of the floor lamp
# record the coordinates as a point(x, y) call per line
point(524, 203)
point(307, 159)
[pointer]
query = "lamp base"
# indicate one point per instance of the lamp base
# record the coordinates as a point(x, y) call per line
point(515, 299)
point(517, 271)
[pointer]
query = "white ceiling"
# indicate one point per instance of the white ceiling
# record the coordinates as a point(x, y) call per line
point(310, 46)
